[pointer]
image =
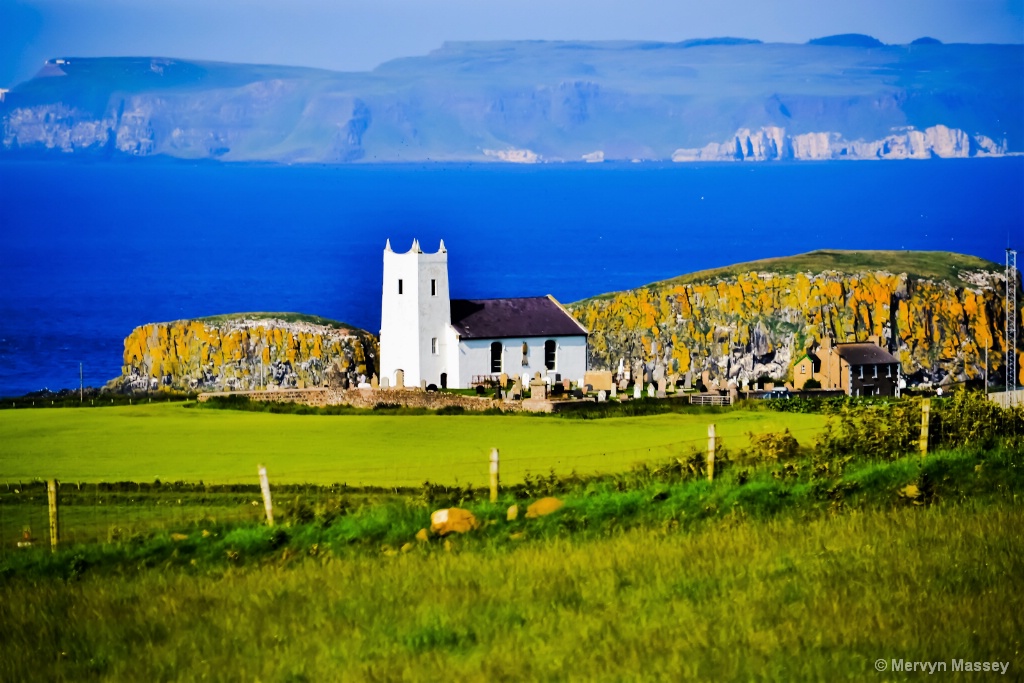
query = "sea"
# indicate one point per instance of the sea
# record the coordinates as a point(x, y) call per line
point(90, 250)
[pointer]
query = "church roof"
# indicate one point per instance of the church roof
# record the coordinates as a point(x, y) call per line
point(533, 316)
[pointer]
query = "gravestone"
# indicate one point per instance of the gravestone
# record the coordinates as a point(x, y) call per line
point(373, 382)
point(385, 382)
point(613, 391)
point(517, 390)
point(623, 384)
point(538, 388)
point(688, 381)
point(636, 391)
point(503, 380)
point(399, 379)
point(661, 388)
point(602, 396)
point(651, 390)
point(566, 384)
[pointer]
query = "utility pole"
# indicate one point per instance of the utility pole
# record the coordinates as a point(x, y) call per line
point(1011, 324)
point(80, 384)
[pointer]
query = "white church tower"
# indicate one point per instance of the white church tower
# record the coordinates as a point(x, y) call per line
point(415, 316)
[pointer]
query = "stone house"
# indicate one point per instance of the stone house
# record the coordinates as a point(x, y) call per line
point(857, 368)
point(454, 343)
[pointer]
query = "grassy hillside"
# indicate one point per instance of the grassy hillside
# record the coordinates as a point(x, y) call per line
point(286, 317)
point(941, 266)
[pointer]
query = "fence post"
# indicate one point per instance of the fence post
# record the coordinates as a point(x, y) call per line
point(711, 452)
point(265, 488)
point(926, 409)
point(494, 475)
point(51, 498)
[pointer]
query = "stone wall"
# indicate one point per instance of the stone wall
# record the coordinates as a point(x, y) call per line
point(369, 398)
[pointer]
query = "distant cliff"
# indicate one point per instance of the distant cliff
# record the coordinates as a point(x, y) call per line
point(246, 351)
point(935, 311)
point(537, 101)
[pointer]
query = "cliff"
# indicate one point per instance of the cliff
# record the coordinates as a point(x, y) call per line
point(935, 311)
point(246, 351)
point(537, 101)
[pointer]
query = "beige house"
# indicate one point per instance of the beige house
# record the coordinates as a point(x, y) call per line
point(857, 368)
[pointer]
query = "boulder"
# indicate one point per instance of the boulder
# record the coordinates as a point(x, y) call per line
point(543, 507)
point(452, 520)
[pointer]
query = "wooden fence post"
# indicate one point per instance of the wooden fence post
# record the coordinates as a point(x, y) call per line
point(265, 488)
point(494, 475)
point(926, 409)
point(711, 452)
point(51, 497)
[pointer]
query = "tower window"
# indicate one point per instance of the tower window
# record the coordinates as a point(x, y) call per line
point(495, 356)
point(433, 345)
point(550, 348)
point(399, 286)
point(433, 288)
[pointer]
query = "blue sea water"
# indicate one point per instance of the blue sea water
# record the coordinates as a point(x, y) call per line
point(89, 250)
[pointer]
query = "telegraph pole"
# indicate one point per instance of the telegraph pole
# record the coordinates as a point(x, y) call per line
point(1011, 324)
point(80, 384)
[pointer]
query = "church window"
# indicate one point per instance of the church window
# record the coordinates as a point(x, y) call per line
point(549, 354)
point(433, 345)
point(433, 288)
point(495, 356)
point(399, 286)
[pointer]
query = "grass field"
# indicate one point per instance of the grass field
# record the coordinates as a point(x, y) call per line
point(172, 442)
point(787, 599)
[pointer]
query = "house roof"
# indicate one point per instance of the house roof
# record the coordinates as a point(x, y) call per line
point(534, 316)
point(864, 353)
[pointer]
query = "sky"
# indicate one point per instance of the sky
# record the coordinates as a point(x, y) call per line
point(349, 35)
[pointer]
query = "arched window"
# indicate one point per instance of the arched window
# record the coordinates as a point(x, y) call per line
point(495, 356)
point(550, 348)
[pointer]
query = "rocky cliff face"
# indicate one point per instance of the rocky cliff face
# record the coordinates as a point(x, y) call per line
point(537, 101)
point(769, 144)
point(747, 324)
point(245, 352)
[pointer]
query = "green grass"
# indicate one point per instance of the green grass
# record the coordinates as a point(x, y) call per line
point(789, 598)
point(286, 317)
point(173, 443)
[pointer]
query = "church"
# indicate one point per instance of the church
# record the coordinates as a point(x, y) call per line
point(457, 343)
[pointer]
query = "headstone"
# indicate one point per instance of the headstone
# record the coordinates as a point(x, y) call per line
point(538, 388)
point(517, 389)
point(423, 384)
point(602, 396)
point(537, 375)
point(650, 389)
point(373, 382)
point(566, 384)
point(503, 380)
point(385, 382)
point(636, 390)
point(659, 373)
point(613, 391)
point(623, 384)
point(399, 379)
point(661, 388)
point(688, 381)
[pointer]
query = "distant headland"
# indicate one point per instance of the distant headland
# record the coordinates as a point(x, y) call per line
point(720, 99)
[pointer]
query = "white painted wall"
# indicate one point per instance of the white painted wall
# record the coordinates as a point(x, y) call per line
point(410, 320)
point(475, 358)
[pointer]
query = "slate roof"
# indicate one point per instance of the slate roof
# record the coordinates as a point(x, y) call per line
point(533, 316)
point(864, 353)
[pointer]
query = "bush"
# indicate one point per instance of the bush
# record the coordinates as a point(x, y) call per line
point(812, 384)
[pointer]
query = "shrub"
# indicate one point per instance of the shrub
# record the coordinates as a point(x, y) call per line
point(812, 384)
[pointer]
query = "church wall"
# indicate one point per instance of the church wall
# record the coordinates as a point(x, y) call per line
point(475, 357)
